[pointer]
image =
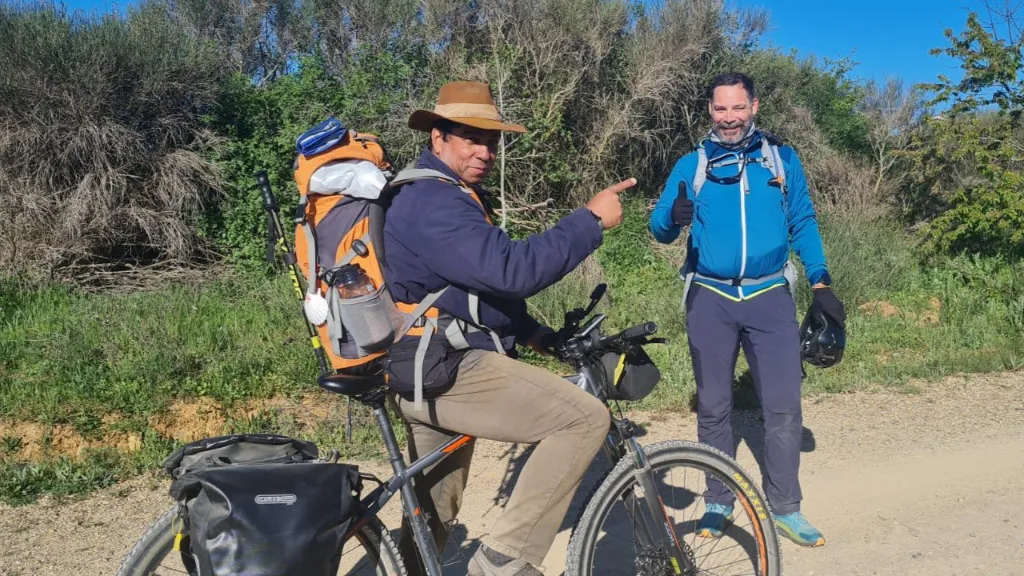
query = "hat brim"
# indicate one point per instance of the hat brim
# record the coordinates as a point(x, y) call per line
point(423, 121)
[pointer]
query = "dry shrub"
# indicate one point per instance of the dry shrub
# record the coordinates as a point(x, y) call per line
point(839, 183)
point(615, 85)
point(605, 87)
point(104, 164)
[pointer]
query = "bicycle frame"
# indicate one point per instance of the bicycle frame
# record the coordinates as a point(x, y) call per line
point(660, 533)
point(400, 482)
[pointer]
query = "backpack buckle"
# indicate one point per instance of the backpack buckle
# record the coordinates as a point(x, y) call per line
point(328, 276)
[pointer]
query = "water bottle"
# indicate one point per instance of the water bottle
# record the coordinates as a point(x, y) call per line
point(369, 316)
point(352, 282)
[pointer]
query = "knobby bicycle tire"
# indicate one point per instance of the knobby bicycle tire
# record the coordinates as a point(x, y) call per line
point(748, 493)
point(156, 543)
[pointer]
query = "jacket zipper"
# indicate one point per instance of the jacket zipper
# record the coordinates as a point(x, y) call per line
point(743, 223)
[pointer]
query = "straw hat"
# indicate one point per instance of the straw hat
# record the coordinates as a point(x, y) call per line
point(468, 103)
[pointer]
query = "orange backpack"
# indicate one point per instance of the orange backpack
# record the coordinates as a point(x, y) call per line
point(340, 221)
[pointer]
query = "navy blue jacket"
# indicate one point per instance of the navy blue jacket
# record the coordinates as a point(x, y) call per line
point(435, 234)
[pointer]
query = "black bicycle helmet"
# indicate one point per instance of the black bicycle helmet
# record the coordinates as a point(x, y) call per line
point(822, 340)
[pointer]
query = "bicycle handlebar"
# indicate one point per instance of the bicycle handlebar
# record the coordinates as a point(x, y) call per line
point(591, 343)
point(631, 334)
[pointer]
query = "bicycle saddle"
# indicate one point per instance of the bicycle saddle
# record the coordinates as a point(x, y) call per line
point(350, 385)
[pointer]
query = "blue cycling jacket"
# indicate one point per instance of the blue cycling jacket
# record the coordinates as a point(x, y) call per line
point(743, 232)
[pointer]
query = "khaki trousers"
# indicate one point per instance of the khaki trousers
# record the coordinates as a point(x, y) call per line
point(498, 398)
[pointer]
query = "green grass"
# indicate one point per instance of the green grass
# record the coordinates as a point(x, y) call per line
point(68, 358)
point(24, 482)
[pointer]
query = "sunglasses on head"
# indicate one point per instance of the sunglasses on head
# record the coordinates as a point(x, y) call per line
point(719, 161)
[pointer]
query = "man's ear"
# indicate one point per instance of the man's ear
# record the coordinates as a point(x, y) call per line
point(753, 107)
point(436, 137)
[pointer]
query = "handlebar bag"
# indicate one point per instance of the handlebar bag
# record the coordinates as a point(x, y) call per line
point(631, 375)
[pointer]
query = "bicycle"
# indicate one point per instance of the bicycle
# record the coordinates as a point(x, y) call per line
point(659, 543)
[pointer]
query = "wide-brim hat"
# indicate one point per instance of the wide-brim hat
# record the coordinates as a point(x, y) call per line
point(468, 103)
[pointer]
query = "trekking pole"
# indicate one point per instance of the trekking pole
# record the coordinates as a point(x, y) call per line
point(288, 256)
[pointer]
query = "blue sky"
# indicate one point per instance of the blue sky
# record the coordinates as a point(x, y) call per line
point(884, 36)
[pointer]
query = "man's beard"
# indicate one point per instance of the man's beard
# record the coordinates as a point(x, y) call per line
point(739, 137)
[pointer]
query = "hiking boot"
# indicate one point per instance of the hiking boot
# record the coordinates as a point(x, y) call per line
point(487, 562)
point(716, 516)
point(796, 527)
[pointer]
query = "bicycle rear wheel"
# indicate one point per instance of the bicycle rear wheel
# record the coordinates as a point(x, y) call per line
point(370, 551)
point(608, 541)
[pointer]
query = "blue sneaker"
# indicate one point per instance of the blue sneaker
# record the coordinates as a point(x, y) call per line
point(795, 527)
point(712, 524)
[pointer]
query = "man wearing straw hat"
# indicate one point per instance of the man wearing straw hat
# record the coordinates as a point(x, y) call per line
point(438, 233)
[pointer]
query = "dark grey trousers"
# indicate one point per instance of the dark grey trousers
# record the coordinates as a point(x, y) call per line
point(766, 327)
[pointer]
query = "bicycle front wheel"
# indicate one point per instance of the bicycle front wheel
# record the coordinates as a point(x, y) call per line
point(608, 539)
point(370, 551)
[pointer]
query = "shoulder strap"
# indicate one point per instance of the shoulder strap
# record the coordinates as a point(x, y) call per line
point(770, 153)
point(773, 160)
point(413, 174)
point(700, 176)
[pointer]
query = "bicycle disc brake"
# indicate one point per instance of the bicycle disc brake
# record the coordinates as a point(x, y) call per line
point(653, 561)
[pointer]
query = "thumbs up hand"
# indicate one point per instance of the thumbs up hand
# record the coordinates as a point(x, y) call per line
point(682, 208)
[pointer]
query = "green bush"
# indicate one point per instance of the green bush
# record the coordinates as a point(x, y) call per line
point(967, 165)
point(262, 124)
point(983, 213)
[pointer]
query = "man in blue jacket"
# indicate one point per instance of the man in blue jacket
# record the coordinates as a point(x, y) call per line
point(746, 213)
point(438, 233)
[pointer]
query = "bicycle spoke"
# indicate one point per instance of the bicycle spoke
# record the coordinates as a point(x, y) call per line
point(729, 555)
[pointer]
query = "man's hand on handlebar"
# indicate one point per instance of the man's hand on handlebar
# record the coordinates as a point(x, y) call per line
point(543, 340)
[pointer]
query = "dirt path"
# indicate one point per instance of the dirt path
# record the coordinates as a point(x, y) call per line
point(901, 484)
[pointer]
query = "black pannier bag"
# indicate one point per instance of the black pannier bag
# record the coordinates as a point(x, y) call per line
point(261, 505)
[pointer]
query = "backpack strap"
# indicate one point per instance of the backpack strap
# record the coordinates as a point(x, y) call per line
point(421, 348)
point(412, 174)
point(773, 160)
point(456, 330)
point(474, 313)
point(700, 176)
